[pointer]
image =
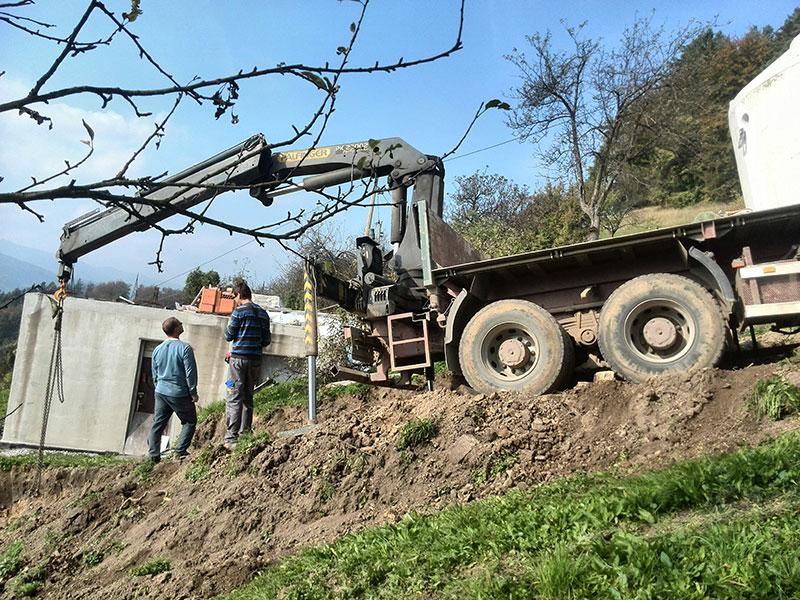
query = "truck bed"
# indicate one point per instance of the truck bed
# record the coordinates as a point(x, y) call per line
point(781, 222)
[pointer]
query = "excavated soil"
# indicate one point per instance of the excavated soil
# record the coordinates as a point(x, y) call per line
point(348, 474)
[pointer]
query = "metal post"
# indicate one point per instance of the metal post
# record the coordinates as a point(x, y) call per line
point(312, 389)
point(310, 338)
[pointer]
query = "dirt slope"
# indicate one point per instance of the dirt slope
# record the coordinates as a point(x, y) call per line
point(348, 474)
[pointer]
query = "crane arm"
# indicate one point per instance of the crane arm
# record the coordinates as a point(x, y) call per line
point(249, 164)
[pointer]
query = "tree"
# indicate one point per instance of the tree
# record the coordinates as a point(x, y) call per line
point(219, 91)
point(498, 217)
point(587, 102)
point(688, 156)
point(110, 290)
point(195, 281)
point(157, 296)
point(324, 246)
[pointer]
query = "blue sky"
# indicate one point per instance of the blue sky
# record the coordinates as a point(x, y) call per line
point(428, 106)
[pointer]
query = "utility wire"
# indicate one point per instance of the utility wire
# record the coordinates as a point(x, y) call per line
point(480, 150)
point(206, 262)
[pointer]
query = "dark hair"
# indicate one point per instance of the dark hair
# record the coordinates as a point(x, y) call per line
point(170, 326)
point(243, 290)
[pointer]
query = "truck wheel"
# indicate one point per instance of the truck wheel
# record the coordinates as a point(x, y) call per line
point(660, 324)
point(515, 345)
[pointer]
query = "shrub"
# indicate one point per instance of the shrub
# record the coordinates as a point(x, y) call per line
point(153, 567)
point(774, 397)
point(416, 432)
point(11, 562)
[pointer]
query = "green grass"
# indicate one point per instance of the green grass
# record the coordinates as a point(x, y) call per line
point(92, 558)
point(774, 398)
point(152, 567)
point(5, 390)
point(57, 460)
point(416, 432)
point(213, 409)
point(282, 395)
point(200, 468)
point(247, 446)
point(11, 562)
point(585, 537)
point(144, 470)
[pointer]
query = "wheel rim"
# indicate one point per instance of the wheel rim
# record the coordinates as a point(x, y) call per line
point(660, 330)
point(509, 352)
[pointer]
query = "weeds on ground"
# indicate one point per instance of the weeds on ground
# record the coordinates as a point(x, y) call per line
point(92, 558)
point(144, 470)
point(11, 562)
point(152, 567)
point(14, 524)
point(201, 466)
point(416, 432)
point(774, 398)
point(585, 537)
point(326, 491)
point(500, 464)
point(58, 460)
point(28, 583)
point(215, 408)
point(247, 446)
point(285, 394)
point(5, 391)
point(117, 546)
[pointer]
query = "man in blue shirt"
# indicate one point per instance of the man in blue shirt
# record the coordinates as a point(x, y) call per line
point(175, 380)
point(248, 329)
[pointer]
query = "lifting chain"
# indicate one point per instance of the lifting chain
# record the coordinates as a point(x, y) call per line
point(55, 377)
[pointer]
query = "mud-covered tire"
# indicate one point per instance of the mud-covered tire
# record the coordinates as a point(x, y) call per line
point(660, 324)
point(539, 355)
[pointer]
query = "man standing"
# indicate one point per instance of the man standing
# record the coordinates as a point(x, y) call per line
point(175, 380)
point(248, 329)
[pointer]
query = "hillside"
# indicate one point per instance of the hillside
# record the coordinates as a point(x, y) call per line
point(219, 518)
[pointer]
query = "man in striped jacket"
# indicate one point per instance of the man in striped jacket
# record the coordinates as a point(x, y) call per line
point(248, 330)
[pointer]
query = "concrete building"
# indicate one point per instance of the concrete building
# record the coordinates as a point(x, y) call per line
point(106, 349)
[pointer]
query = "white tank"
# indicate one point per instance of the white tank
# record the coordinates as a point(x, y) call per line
point(764, 121)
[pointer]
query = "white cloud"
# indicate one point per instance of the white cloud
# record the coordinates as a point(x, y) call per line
point(30, 150)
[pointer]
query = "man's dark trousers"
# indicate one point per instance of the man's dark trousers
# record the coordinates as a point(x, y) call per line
point(165, 406)
point(243, 373)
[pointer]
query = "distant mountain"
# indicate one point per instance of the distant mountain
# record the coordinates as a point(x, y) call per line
point(16, 273)
point(45, 262)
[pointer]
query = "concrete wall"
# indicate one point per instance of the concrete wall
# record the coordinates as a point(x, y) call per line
point(101, 345)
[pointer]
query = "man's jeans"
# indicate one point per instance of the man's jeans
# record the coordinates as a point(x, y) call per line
point(165, 406)
point(243, 373)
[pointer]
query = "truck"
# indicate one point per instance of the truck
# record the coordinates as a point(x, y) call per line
point(661, 302)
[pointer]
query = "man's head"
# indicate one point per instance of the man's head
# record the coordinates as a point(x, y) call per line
point(243, 291)
point(172, 327)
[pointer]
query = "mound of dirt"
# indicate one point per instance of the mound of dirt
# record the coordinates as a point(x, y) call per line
point(244, 511)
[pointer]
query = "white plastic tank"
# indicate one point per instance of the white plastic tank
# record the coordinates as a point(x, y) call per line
point(764, 121)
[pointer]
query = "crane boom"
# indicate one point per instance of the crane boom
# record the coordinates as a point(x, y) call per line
point(250, 164)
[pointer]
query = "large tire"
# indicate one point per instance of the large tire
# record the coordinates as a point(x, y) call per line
point(660, 324)
point(514, 345)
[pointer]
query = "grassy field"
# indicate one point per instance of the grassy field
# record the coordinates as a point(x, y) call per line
point(716, 527)
point(655, 217)
point(279, 395)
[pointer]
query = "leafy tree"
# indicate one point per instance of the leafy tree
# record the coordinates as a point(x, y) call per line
point(196, 280)
point(323, 246)
point(687, 156)
point(110, 290)
point(588, 102)
point(499, 217)
point(157, 296)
